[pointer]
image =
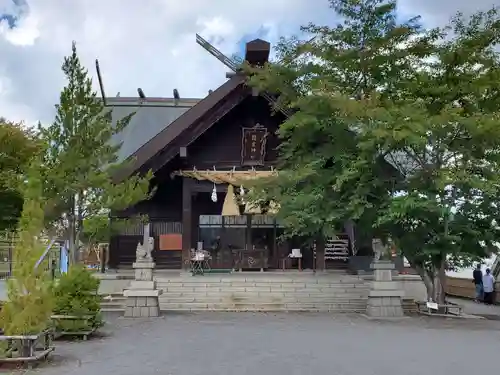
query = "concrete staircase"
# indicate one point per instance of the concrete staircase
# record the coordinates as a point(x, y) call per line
point(114, 302)
point(338, 293)
point(330, 291)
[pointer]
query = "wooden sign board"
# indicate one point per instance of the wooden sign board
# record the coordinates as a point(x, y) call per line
point(170, 242)
point(253, 146)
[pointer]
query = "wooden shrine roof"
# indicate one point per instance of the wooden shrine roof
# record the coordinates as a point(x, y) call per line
point(154, 130)
point(152, 115)
point(169, 133)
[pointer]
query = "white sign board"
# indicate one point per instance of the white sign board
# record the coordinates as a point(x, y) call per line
point(432, 305)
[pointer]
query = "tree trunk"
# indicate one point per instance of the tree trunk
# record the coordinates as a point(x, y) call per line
point(440, 281)
point(72, 248)
point(72, 239)
point(427, 279)
point(434, 282)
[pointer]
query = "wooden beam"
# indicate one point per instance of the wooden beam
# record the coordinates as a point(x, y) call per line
point(166, 137)
point(320, 253)
point(187, 214)
point(196, 130)
point(183, 152)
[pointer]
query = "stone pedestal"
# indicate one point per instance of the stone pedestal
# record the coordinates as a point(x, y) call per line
point(142, 295)
point(384, 300)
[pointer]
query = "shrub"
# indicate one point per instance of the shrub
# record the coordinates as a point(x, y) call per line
point(76, 294)
point(29, 305)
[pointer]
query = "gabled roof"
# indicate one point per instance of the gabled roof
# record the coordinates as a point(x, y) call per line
point(152, 115)
point(173, 126)
point(153, 130)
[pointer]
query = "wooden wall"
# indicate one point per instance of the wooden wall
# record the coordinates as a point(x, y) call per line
point(464, 288)
point(220, 146)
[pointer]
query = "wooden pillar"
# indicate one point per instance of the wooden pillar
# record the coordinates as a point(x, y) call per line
point(248, 239)
point(320, 253)
point(349, 229)
point(186, 221)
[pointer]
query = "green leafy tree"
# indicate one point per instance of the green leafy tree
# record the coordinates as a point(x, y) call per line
point(18, 145)
point(444, 138)
point(99, 228)
point(424, 102)
point(29, 304)
point(320, 169)
point(81, 158)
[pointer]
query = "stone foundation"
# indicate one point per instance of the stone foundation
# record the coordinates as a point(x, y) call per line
point(142, 307)
point(384, 307)
point(385, 297)
point(142, 295)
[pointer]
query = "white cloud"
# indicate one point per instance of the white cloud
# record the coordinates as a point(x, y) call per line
point(437, 12)
point(149, 44)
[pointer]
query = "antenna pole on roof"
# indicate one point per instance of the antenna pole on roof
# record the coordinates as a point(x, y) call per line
point(99, 78)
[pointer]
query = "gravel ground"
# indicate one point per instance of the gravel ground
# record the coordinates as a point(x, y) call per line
point(229, 343)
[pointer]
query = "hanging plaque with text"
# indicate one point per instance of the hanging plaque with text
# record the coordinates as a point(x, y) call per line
point(253, 148)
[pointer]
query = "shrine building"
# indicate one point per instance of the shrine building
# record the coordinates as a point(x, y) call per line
point(201, 152)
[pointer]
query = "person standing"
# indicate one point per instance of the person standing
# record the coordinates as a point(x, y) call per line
point(488, 287)
point(477, 279)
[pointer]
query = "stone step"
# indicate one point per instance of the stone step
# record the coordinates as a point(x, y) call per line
point(112, 305)
point(332, 307)
point(261, 285)
point(206, 280)
point(261, 296)
point(289, 286)
point(113, 302)
point(113, 309)
point(243, 288)
point(193, 296)
point(240, 297)
point(165, 305)
point(279, 292)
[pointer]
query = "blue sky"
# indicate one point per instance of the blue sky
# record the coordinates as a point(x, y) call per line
point(11, 20)
point(17, 11)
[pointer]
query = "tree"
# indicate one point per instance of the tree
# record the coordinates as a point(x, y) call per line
point(82, 158)
point(29, 304)
point(99, 228)
point(424, 102)
point(444, 138)
point(18, 145)
point(351, 60)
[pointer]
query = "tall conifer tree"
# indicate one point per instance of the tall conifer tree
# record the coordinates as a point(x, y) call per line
point(82, 157)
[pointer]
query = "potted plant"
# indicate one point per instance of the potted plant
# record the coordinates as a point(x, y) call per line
point(77, 304)
point(25, 316)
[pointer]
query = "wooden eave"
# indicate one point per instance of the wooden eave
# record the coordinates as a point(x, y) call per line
point(167, 136)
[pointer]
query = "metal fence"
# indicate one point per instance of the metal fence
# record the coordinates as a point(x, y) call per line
point(7, 240)
point(50, 263)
